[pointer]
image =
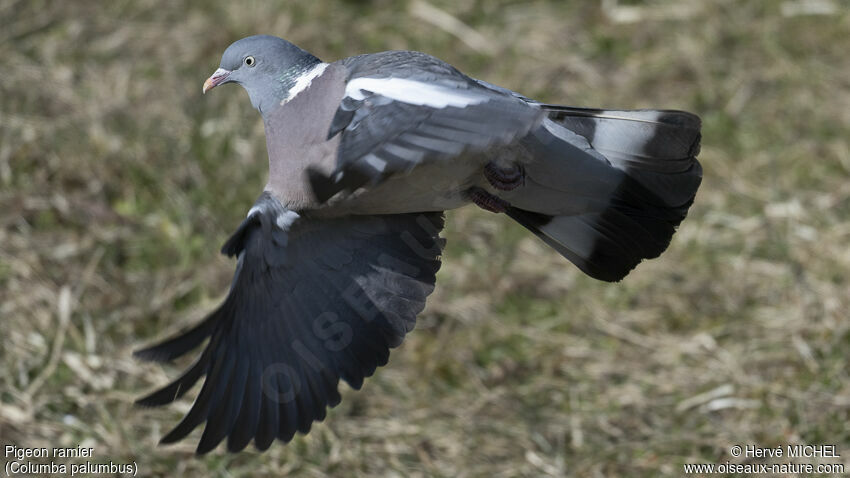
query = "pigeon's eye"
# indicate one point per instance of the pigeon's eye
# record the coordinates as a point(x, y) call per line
point(249, 60)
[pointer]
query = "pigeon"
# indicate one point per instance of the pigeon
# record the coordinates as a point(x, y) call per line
point(340, 251)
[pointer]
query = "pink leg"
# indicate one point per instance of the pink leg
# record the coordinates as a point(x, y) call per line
point(487, 201)
point(504, 179)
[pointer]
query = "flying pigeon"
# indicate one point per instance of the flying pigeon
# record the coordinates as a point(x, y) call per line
point(339, 253)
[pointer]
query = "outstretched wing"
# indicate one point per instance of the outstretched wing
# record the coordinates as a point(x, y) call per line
point(312, 301)
point(403, 108)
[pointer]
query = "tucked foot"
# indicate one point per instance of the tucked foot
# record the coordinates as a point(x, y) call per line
point(504, 179)
point(487, 201)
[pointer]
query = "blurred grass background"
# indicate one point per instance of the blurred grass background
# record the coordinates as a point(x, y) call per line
point(119, 181)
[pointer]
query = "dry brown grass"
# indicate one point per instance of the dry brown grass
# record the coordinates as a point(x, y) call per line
point(119, 182)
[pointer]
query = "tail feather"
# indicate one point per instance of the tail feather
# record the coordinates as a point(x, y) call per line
point(623, 134)
point(607, 189)
point(658, 148)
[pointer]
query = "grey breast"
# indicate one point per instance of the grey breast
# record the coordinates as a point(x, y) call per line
point(296, 137)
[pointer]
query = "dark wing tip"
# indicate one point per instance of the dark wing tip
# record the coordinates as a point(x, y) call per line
point(206, 446)
point(150, 354)
point(161, 352)
point(177, 388)
point(177, 433)
point(180, 344)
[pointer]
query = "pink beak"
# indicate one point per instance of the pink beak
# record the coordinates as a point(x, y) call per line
point(218, 77)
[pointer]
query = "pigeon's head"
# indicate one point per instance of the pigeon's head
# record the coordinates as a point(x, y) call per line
point(267, 67)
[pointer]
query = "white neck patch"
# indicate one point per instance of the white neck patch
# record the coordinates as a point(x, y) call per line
point(303, 82)
point(414, 92)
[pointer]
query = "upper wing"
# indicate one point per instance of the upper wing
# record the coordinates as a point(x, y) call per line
point(312, 301)
point(403, 108)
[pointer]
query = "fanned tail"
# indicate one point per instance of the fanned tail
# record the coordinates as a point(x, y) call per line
point(608, 188)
